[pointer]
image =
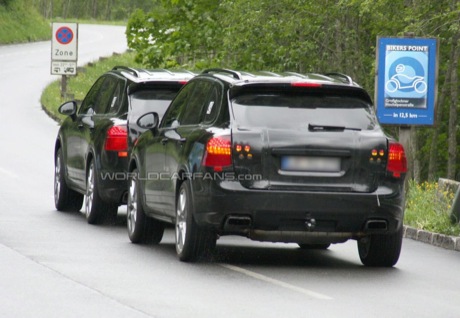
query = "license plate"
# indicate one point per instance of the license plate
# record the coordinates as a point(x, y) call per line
point(316, 164)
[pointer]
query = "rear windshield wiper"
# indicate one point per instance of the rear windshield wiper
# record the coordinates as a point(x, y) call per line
point(330, 128)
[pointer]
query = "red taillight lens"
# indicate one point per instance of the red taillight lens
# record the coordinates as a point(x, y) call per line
point(305, 84)
point(117, 140)
point(218, 153)
point(397, 162)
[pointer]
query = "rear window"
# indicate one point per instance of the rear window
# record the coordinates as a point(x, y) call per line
point(155, 100)
point(292, 110)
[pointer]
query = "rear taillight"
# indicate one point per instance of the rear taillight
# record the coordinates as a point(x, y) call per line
point(218, 153)
point(117, 140)
point(397, 162)
point(305, 84)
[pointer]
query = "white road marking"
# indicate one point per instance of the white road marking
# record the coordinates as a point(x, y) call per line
point(306, 292)
point(9, 173)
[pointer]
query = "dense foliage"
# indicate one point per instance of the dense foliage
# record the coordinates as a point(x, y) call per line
point(428, 208)
point(20, 23)
point(91, 9)
point(310, 36)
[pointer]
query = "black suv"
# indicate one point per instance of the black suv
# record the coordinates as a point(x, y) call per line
point(273, 157)
point(93, 144)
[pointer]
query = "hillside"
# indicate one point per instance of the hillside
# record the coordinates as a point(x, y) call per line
point(20, 22)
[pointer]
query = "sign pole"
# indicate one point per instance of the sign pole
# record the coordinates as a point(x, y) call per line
point(63, 86)
point(405, 138)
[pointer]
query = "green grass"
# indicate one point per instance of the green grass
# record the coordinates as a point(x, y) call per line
point(90, 21)
point(428, 208)
point(19, 23)
point(79, 85)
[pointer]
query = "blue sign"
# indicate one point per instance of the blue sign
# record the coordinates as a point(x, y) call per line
point(406, 81)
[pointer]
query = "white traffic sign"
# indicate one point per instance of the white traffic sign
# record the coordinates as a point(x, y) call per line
point(64, 42)
point(63, 68)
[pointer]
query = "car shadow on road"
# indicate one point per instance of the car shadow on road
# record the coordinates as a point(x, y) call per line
point(239, 251)
point(278, 256)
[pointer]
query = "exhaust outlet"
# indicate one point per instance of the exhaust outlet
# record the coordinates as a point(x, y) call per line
point(237, 224)
point(376, 226)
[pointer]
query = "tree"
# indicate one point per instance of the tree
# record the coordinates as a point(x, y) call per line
point(311, 36)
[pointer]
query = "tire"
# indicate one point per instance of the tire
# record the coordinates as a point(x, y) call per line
point(141, 228)
point(65, 199)
point(192, 241)
point(97, 211)
point(380, 250)
point(314, 246)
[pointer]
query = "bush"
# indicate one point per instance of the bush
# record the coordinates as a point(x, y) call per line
point(428, 208)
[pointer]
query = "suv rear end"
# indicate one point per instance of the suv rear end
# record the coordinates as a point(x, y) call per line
point(94, 143)
point(306, 162)
point(274, 157)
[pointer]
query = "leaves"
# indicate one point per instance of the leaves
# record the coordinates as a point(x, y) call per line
point(300, 36)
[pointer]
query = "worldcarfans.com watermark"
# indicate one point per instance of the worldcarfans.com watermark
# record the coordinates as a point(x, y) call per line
point(164, 176)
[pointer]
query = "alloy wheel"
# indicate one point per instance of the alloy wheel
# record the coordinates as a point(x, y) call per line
point(132, 206)
point(89, 191)
point(181, 220)
point(57, 179)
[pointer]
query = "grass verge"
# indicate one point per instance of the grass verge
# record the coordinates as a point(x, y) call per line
point(19, 23)
point(428, 209)
point(78, 86)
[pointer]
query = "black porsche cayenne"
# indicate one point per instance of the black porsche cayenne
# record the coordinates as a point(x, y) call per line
point(273, 157)
point(94, 142)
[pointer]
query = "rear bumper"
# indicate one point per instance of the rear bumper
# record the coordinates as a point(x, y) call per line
point(297, 216)
point(113, 178)
point(113, 189)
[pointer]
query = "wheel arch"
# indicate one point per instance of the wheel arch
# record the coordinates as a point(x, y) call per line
point(57, 146)
point(89, 158)
point(183, 175)
point(132, 164)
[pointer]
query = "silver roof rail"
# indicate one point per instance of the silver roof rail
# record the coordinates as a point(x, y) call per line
point(342, 77)
point(235, 75)
point(131, 70)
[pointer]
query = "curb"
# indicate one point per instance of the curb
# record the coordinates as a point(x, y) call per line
point(435, 239)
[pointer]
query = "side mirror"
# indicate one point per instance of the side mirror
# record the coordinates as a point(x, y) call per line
point(68, 109)
point(149, 121)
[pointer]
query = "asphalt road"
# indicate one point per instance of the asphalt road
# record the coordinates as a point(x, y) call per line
point(54, 264)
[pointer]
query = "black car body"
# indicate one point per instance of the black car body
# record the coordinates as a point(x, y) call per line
point(274, 157)
point(93, 144)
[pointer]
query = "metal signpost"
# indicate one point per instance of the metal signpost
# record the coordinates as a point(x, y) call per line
point(64, 51)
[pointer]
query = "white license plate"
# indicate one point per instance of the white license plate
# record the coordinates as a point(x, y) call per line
point(316, 164)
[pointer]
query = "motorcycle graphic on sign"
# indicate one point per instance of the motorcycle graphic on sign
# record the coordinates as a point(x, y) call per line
point(406, 80)
point(402, 81)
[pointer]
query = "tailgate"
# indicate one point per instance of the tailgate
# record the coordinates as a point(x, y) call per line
point(345, 161)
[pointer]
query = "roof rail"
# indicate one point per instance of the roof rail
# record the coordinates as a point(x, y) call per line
point(344, 78)
point(128, 69)
point(235, 75)
point(247, 74)
point(297, 74)
point(270, 73)
point(186, 71)
point(160, 70)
